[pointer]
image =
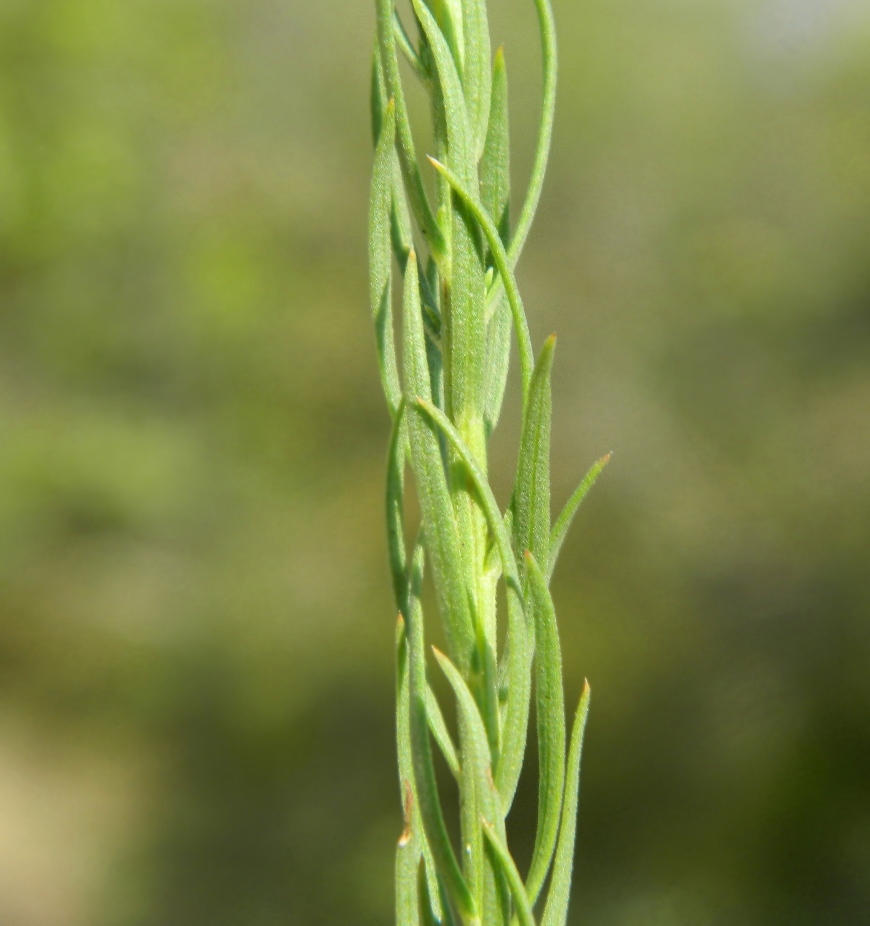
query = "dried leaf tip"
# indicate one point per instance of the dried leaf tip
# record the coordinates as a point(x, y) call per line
point(405, 838)
point(435, 163)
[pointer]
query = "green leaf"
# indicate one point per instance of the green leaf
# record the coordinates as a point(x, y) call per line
point(495, 171)
point(456, 114)
point(509, 868)
point(407, 47)
point(465, 341)
point(437, 509)
point(439, 731)
point(556, 910)
point(545, 130)
point(414, 837)
point(500, 257)
point(531, 497)
point(395, 508)
point(427, 918)
point(495, 199)
point(476, 78)
point(380, 258)
point(516, 712)
point(477, 790)
point(563, 522)
point(550, 710)
point(431, 814)
point(407, 897)
point(405, 139)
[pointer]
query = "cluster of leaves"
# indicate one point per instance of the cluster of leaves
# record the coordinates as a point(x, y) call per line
point(460, 303)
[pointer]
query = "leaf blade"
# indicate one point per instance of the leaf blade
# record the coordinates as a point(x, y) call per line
point(556, 909)
point(563, 522)
point(550, 702)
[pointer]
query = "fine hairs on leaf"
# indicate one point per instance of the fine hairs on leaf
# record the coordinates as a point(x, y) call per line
point(442, 259)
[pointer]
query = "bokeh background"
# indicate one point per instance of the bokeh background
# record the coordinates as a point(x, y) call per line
point(195, 618)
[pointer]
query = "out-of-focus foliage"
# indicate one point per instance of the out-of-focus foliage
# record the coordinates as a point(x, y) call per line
point(195, 628)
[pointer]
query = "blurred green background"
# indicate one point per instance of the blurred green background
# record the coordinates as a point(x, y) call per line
point(195, 615)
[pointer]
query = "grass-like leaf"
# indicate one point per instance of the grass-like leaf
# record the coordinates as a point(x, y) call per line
point(476, 70)
point(545, 130)
point(531, 497)
point(556, 909)
point(439, 731)
point(438, 519)
point(563, 522)
point(550, 704)
point(434, 827)
point(381, 258)
point(495, 186)
point(479, 796)
point(405, 139)
point(396, 508)
point(502, 265)
point(515, 882)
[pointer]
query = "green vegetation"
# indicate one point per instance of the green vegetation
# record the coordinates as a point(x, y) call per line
point(196, 671)
point(459, 302)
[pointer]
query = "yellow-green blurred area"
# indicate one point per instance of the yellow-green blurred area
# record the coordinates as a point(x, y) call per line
point(196, 627)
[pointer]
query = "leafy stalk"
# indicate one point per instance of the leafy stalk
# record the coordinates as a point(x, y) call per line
point(444, 387)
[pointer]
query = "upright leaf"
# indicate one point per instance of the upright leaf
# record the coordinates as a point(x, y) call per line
point(380, 257)
point(471, 202)
point(431, 814)
point(495, 199)
point(519, 640)
point(550, 710)
point(478, 796)
point(531, 498)
point(509, 868)
point(476, 78)
point(437, 509)
point(563, 522)
point(556, 909)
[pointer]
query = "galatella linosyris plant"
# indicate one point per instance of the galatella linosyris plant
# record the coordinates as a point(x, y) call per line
point(460, 304)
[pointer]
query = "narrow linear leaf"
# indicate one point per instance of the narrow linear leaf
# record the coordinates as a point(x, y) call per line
point(516, 713)
point(550, 704)
point(502, 265)
point(406, 46)
point(405, 139)
point(531, 496)
point(476, 77)
point(495, 174)
point(477, 790)
point(431, 814)
point(380, 258)
point(509, 868)
point(414, 837)
point(563, 522)
point(407, 895)
point(465, 328)
point(556, 909)
point(485, 496)
point(439, 731)
point(427, 918)
point(458, 134)
point(395, 494)
point(545, 130)
point(377, 97)
point(495, 199)
point(435, 504)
